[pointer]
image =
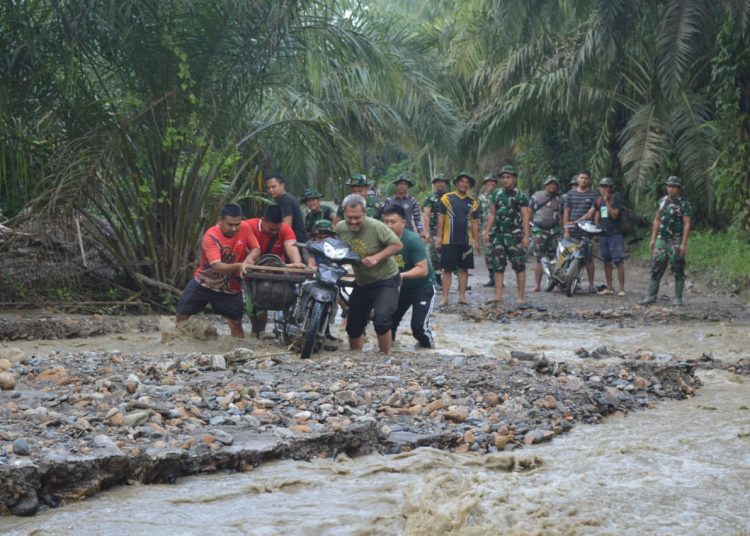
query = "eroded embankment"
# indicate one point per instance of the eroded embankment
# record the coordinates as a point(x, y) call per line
point(73, 423)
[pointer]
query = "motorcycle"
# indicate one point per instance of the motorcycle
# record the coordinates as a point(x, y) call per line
point(566, 270)
point(304, 323)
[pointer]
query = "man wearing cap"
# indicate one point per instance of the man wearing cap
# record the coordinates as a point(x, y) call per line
point(376, 278)
point(606, 211)
point(430, 210)
point(316, 211)
point(359, 185)
point(457, 226)
point(488, 186)
point(408, 202)
point(507, 233)
point(577, 205)
point(546, 213)
point(669, 237)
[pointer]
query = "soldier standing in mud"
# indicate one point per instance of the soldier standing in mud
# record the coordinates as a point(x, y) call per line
point(489, 185)
point(669, 237)
point(226, 249)
point(546, 210)
point(430, 209)
point(507, 233)
point(359, 185)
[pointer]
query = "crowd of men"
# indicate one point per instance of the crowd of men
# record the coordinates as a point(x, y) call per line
point(411, 250)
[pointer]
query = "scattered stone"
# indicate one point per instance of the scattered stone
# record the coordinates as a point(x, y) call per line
point(136, 418)
point(21, 447)
point(5, 364)
point(347, 397)
point(7, 381)
point(459, 414)
point(218, 362)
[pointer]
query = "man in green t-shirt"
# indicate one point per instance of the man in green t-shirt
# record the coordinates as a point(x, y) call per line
point(376, 277)
point(417, 278)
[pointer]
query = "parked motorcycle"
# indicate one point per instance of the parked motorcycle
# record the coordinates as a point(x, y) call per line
point(305, 322)
point(567, 269)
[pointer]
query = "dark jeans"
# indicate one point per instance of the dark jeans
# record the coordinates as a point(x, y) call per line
point(421, 302)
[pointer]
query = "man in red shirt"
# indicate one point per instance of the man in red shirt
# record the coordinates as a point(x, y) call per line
point(275, 238)
point(227, 248)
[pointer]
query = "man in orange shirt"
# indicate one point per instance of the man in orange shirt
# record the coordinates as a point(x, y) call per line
point(274, 238)
point(227, 248)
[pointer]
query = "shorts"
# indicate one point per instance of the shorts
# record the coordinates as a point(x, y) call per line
point(195, 297)
point(612, 248)
point(381, 298)
point(457, 257)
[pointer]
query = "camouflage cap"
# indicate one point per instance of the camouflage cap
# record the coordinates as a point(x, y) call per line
point(574, 180)
point(489, 177)
point(606, 181)
point(674, 181)
point(311, 193)
point(472, 180)
point(509, 169)
point(439, 177)
point(403, 178)
point(358, 179)
point(323, 226)
point(551, 179)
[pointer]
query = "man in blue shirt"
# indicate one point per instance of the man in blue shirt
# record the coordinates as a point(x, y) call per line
point(417, 278)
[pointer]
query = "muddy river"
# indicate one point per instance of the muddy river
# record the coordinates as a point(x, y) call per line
point(682, 468)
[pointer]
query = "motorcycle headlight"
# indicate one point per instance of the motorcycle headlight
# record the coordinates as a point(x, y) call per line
point(334, 253)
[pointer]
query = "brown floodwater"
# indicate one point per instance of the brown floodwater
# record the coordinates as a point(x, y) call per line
point(682, 468)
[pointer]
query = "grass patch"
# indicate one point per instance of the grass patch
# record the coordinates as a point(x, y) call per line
point(719, 258)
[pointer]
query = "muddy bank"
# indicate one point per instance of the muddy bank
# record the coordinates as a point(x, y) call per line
point(74, 423)
point(50, 327)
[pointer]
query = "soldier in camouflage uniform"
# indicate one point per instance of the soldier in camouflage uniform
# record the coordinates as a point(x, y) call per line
point(490, 184)
point(507, 233)
point(669, 237)
point(359, 185)
point(546, 208)
point(430, 208)
point(315, 211)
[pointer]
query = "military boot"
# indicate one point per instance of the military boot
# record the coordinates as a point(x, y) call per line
point(679, 287)
point(653, 290)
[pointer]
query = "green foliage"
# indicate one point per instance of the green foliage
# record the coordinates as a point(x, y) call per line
point(731, 86)
point(720, 258)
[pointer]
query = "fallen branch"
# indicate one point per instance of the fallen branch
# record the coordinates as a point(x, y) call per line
point(157, 284)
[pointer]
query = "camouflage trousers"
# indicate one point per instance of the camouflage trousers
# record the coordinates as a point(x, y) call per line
point(544, 242)
point(665, 254)
point(504, 249)
point(435, 256)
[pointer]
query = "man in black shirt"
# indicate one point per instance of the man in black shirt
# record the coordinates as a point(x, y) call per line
point(276, 188)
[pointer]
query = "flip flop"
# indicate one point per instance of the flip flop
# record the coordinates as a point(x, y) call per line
point(492, 301)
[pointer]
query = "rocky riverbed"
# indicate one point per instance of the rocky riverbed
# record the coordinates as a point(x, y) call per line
point(75, 422)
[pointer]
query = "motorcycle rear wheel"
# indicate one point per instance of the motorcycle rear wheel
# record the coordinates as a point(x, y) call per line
point(312, 327)
point(573, 277)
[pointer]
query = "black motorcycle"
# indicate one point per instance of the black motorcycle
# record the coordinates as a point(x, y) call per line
point(305, 323)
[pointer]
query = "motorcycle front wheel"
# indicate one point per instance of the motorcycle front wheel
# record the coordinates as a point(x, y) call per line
point(548, 282)
point(312, 328)
point(573, 277)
